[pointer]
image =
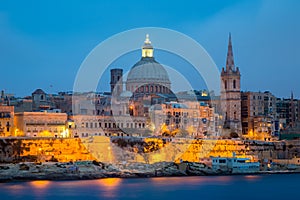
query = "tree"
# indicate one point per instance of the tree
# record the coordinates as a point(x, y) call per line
point(234, 135)
point(164, 130)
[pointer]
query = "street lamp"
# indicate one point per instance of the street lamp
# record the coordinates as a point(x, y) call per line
point(131, 110)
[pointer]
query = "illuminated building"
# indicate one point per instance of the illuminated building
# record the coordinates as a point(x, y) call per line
point(194, 118)
point(41, 124)
point(91, 125)
point(147, 76)
point(6, 120)
point(147, 82)
point(230, 93)
point(259, 117)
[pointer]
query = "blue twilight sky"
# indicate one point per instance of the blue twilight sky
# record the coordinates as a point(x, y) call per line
point(43, 43)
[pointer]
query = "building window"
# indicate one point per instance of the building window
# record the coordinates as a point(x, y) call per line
point(234, 84)
point(167, 122)
point(225, 84)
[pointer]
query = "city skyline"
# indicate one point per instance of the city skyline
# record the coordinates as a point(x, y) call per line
point(136, 99)
point(50, 48)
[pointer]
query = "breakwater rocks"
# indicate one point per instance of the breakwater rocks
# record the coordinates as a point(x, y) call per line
point(95, 170)
point(83, 170)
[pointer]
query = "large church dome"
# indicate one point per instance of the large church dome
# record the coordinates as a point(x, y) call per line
point(148, 70)
point(147, 75)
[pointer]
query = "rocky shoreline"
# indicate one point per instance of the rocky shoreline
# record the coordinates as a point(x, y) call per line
point(94, 170)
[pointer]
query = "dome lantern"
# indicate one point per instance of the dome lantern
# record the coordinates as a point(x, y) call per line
point(147, 49)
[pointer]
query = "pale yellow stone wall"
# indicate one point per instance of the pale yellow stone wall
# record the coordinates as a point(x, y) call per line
point(101, 148)
point(38, 149)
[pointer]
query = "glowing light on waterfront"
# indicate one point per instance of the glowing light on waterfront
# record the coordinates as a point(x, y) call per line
point(110, 186)
point(252, 177)
point(41, 184)
point(110, 182)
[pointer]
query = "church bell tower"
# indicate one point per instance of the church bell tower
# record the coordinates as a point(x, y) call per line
point(231, 93)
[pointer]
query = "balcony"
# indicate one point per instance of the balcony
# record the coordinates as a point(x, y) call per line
point(56, 124)
point(35, 124)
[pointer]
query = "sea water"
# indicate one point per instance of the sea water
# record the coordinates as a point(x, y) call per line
point(275, 186)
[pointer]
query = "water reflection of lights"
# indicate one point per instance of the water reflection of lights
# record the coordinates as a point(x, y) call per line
point(41, 184)
point(15, 189)
point(252, 177)
point(167, 180)
point(40, 187)
point(196, 180)
point(110, 182)
point(223, 179)
point(109, 185)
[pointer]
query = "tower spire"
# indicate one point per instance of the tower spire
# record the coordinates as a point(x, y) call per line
point(229, 59)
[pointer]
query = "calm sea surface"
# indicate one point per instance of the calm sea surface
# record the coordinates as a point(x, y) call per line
point(277, 186)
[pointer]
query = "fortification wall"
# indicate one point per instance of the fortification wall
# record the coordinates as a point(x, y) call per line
point(149, 150)
point(42, 149)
